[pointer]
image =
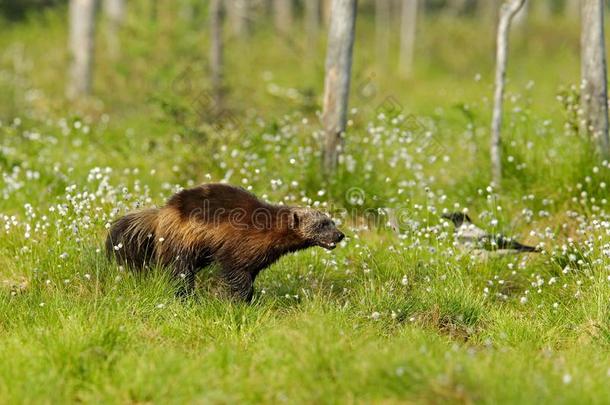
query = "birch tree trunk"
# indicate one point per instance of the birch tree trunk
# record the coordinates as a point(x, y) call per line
point(383, 14)
point(282, 13)
point(337, 81)
point(81, 45)
point(594, 92)
point(326, 7)
point(522, 15)
point(408, 23)
point(115, 13)
point(216, 52)
point(507, 13)
point(312, 18)
point(238, 16)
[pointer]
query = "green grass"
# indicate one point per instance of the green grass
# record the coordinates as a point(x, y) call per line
point(386, 317)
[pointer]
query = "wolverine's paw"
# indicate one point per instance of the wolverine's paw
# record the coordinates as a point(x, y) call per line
point(184, 293)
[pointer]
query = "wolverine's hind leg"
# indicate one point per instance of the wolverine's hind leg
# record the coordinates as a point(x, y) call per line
point(187, 284)
point(184, 272)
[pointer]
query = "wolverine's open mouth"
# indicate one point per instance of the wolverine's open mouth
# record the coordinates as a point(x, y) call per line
point(332, 241)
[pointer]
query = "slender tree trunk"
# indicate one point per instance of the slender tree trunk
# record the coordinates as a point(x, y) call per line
point(326, 8)
point(507, 13)
point(81, 46)
point(522, 15)
point(383, 13)
point(312, 18)
point(216, 52)
point(115, 12)
point(337, 81)
point(594, 92)
point(282, 13)
point(238, 16)
point(407, 36)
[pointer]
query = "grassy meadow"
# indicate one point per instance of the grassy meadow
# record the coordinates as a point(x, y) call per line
point(389, 316)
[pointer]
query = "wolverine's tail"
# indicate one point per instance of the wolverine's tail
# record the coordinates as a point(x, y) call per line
point(131, 239)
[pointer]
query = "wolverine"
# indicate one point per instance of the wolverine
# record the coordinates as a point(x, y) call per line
point(217, 223)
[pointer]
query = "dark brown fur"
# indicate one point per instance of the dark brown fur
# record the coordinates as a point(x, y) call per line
point(217, 223)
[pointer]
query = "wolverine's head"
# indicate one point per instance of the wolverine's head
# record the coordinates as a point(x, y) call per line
point(316, 228)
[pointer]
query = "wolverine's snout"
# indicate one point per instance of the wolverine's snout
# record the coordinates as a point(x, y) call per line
point(332, 240)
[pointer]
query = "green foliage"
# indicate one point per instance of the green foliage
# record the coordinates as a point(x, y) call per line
point(392, 315)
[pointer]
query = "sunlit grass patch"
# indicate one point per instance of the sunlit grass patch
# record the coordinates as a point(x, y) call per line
point(397, 313)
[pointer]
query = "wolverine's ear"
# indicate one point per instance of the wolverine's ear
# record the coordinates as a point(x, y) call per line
point(294, 220)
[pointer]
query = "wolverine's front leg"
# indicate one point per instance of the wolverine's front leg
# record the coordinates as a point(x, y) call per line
point(239, 283)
